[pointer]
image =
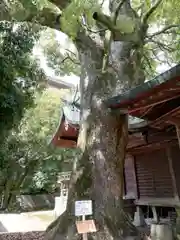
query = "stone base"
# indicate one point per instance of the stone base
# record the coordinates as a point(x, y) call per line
point(60, 205)
point(161, 232)
point(139, 218)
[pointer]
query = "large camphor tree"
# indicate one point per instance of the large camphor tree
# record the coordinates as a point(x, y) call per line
point(117, 43)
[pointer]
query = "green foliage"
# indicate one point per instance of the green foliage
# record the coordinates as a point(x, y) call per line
point(63, 61)
point(59, 52)
point(64, 64)
point(45, 12)
point(163, 47)
point(20, 74)
point(149, 61)
point(28, 163)
point(23, 10)
point(171, 13)
point(35, 131)
point(71, 18)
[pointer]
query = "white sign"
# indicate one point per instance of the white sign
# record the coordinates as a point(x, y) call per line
point(83, 208)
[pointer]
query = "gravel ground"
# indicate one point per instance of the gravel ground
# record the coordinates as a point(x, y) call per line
point(25, 226)
point(22, 236)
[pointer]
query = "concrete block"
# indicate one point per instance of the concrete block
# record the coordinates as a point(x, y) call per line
point(161, 232)
point(139, 218)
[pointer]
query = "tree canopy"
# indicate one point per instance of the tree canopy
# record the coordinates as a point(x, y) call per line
point(160, 44)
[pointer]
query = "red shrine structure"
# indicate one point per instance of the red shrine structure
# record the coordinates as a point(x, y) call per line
point(152, 165)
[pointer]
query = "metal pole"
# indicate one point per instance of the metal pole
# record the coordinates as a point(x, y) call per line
point(84, 234)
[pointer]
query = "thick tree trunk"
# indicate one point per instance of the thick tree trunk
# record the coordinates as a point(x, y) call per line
point(103, 138)
point(13, 185)
point(6, 194)
point(99, 177)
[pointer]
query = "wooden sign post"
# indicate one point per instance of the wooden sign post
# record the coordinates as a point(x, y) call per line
point(84, 235)
point(84, 208)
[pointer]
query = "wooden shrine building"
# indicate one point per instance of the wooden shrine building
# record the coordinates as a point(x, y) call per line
point(152, 166)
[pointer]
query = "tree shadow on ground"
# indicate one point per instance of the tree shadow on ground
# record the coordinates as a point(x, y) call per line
point(2, 228)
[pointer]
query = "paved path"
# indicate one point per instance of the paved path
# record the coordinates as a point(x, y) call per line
point(33, 221)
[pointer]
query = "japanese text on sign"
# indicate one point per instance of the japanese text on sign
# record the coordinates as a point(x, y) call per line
point(83, 208)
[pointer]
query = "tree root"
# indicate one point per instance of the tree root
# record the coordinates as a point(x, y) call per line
point(63, 228)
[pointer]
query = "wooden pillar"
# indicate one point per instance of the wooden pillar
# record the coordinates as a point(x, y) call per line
point(155, 215)
point(178, 133)
point(171, 169)
point(136, 179)
point(130, 177)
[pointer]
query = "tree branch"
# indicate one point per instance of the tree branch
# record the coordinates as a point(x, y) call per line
point(72, 60)
point(71, 52)
point(109, 37)
point(151, 11)
point(148, 61)
point(117, 34)
point(164, 30)
point(163, 46)
point(64, 59)
point(139, 9)
point(68, 57)
point(124, 25)
point(155, 55)
point(117, 10)
point(62, 4)
point(89, 29)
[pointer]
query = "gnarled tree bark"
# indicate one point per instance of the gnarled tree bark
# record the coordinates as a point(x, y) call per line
point(103, 138)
